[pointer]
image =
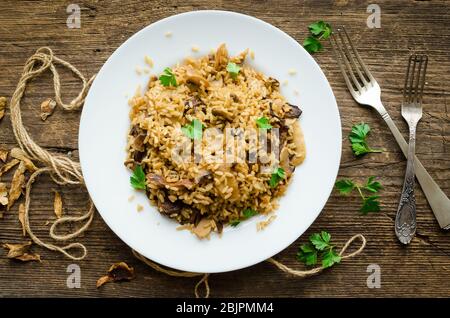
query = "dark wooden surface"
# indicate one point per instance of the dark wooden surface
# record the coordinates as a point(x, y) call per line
point(421, 269)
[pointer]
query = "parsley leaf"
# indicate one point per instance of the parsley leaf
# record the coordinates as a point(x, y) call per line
point(307, 254)
point(369, 204)
point(263, 123)
point(312, 45)
point(233, 69)
point(320, 243)
point(320, 240)
point(137, 179)
point(193, 130)
point(345, 186)
point(372, 186)
point(320, 29)
point(167, 78)
point(357, 139)
point(235, 223)
point(278, 175)
point(329, 258)
point(247, 213)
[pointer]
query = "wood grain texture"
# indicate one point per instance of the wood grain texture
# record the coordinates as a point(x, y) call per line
point(421, 269)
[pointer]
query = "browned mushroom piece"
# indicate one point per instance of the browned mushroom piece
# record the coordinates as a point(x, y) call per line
point(138, 142)
point(159, 182)
point(299, 145)
point(294, 112)
point(204, 228)
point(221, 57)
point(203, 177)
point(168, 208)
point(222, 113)
point(195, 77)
point(235, 98)
point(192, 103)
point(272, 84)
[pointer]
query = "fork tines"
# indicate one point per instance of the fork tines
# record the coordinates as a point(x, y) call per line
point(355, 72)
point(415, 78)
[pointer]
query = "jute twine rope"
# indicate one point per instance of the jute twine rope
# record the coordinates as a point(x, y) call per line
point(64, 170)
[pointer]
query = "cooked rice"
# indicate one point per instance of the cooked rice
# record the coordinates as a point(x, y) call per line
point(211, 192)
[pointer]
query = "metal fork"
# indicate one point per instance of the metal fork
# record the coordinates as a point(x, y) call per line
point(405, 220)
point(366, 91)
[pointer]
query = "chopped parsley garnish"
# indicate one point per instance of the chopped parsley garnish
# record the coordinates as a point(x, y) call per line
point(319, 243)
point(193, 130)
point(358, 137)
point(137, 179)
point(319, 31)
point(369, 203)
point(263, 123)
point(278, 175)
point(246, 214)
point(167, 78)
point(233, 69)
point(312, 45)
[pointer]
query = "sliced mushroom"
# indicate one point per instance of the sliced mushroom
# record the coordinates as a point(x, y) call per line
point(272, 84)
point(160, 182)
point(222, 113)
point(221, 57)
point(299, 145)
point(294, 112)
point(194, 76)
point(203, 177)
point(138, 143)
point(168, 208)
point(204, 228)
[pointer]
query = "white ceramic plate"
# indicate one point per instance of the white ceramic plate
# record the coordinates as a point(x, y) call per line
point(104, 125)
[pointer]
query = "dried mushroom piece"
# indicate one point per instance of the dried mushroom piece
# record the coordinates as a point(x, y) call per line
point(22, 218)
point(2, 106)
point(19, 154)
point(17, 183)
point(47, 108)
point(116, 273)
point(21, 252)
point(3, 194)
point(8, 166)
point(57, 204)
point(3, 155)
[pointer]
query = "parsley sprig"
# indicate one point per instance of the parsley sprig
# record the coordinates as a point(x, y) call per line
point(137, 179)
point(278, 175)
point(246, 214)
point(193, 130)
point(319, 30)
point(168, 78)
point(369, 203)
point(319, 245)
point(263, 123)
point(233, 69)
point(358, 137)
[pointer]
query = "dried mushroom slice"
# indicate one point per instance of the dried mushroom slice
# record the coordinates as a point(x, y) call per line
point(57, 204)
point(17, 184)
point(22, 218)
point(21, 252)
point(8, 166)
point(19, 154)
point(3, 155)
point(116, 273)
point(47, 108)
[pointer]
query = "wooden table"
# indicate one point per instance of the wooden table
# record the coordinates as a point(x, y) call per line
point(421, 269)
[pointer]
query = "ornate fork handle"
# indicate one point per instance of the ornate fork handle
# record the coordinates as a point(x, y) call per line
point(405, 220)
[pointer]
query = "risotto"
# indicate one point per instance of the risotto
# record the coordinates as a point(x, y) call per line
point(213, 142)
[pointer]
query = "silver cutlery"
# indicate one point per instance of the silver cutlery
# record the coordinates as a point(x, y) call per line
point(366, 91)
point(405, 220)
